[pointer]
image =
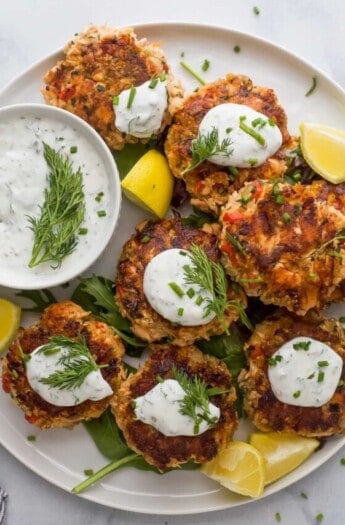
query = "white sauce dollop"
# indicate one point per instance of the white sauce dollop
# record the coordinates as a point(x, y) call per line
point(305, 377)
point(40, 366)
point(244, 150)
point(160, 407)
point(144, 116)
point(165, 268)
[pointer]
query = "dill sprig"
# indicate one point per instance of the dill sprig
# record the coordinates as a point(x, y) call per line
point(339, 236)
point(63, 210)
point(77, 363)
point(211, 276)
point(205, 146)
point(195, 404)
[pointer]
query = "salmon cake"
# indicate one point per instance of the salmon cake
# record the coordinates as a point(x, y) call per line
point(209, 184)
point(166, 451)
point(70, 321)
point(285, 243)
point(154, 238)
point(265, 410)
point(98, 65)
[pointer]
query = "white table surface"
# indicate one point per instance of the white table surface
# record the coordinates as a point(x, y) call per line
point(314, 29)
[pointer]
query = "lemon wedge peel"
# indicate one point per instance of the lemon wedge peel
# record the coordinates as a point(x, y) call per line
point(149, 184)
point(323, 148)
point(10, 316)
point(240, 468)
point(282, 452)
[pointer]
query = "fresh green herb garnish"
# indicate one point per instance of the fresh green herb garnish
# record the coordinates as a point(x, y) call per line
point(211, 276)
point(99, 196)
point(56, 230)
point(176, 288)
point(236, 243)
point(77, 363)
point(251, 131)
point(198, 218)
point(302, 345)
point(312, 88)
point(190, 70)
point(205, 65)
point(237, 49)
point(272, 361)
point(73, 149)
point(205, 146)
point(304, 495)
point(196, 398)
point(101, 213)
point(31, 437)
point(320, 377)
point(41, 298)
point(296, 394)
point(319, 517)
point(88, 472)
point(278, 516)
point(342, 461)
point(145, 239)
point(116, 100)
point(132, 93)
point(323, 363)
point(286, 217)
point(180, 312)
point(153, 83)
point(256, 10)
point(338, 237)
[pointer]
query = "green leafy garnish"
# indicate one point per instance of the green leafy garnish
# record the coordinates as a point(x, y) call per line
point(56, 230)
point(195, 404)
point(96, 295)
point(77, 363)
point(205, 146)
point(41, 298)
point(251, 131)
point(198, 218)
point(190, 70)
point(312, 87)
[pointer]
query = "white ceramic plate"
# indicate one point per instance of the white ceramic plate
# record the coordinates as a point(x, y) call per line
point(61, 456)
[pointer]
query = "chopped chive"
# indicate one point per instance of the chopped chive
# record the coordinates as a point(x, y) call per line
point(233, 170)
point(180, 312)
point(280, 199)
point(271, 122)
point(342, 461)
point(278, 516)
point(83, 231)
point(312, 88)
point(192, 72)
point(73, 149)
point(131, 96)
point(296, 176)
point(228, 130)
point(312, 276)
point(176, 288)
point(182, 54)
point(320, 377)
point(245, 199)
point(296, 394)
point(190, 292)
point(302, 345)
point(253, 162)
point(237, 49)
point(311, 376)
point(15, 374)
point(272, 361)
point(319, 517)
point(286, 217)
point(256, 10)
point(101, 213)
point(88, 472)
point(236, 243)
point(199, 300)
point(145, 239)
point(163, 77)
point(260, 122)
point(153, 83)
point(116, 100)
point(342, 319)
point(323, 363)
point(51, 351)
point(205, 65)
point(181, 252)
point(304, 495)
point(250, 131)
point(31, 437)
point(99, 196)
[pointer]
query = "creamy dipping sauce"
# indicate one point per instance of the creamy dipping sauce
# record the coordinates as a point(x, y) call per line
point(23, 179)
point(253, 137)
point(304, 372)
point(40, 366)
point(139, 111)
point(168, 294)
point(160, 407)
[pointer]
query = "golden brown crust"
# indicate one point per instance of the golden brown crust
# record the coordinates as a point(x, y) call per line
point(288, 257)
point(208, 184)
point(100, 63)
point(136, 254)
point(166, 451)
point(263, 408)
point(65, 318)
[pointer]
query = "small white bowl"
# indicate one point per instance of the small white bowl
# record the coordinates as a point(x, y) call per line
point(23, 178)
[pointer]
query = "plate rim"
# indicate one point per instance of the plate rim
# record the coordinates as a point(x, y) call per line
point(339, 440)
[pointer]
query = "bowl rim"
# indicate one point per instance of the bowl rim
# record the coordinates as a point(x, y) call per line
point(101, 149)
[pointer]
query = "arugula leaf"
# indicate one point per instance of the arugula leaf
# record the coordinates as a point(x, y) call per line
point(198, 218)
point(229, 349)
point(41, 298)
point(96, 295)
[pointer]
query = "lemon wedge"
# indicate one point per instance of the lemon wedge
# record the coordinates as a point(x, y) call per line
point(323, 148)
point(282, 452)
point(149, 184)
point(240, 468)
point(10, 315)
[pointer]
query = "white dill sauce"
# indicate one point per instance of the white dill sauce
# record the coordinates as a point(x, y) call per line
point(160, 407)
point(23, 179)
point(167, 292)
point(140, 110)
point(252, 136)
point(304, 372)
point(40, 366)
